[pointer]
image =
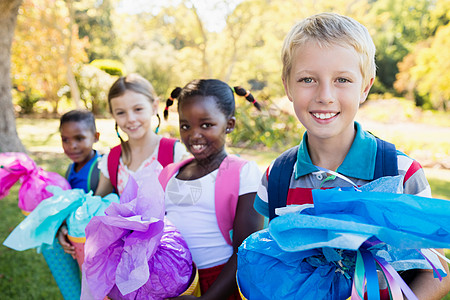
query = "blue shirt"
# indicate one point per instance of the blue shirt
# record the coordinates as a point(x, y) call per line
point(80, 179)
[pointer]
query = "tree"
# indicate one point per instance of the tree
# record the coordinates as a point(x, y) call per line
point(46, 49)
point(95, 22)
point(432, 70)
point(398, 26)
point(9, 140)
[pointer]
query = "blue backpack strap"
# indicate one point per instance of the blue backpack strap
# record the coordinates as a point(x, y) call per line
point(279, 180)
point(93, 175)
point(386, 160)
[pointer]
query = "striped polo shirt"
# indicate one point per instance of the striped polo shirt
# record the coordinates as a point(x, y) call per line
point(358, 166)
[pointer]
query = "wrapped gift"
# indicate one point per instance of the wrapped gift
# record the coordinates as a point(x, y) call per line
point(134, 252)
point(337, 248)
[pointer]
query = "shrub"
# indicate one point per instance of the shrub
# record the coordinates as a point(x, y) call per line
point(112, 67)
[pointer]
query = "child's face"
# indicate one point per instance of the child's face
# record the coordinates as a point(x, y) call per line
point(203, 126)
point(133, 112)
point(326, 88)
point(77, 140)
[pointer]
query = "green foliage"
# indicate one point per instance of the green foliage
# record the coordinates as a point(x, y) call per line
point(46, 46)
point(94, 20)
point(432, 70)
point(398, 26)
point(155, 62)
point(26, 98)
point(94, 85)
point(110, 66)
point(270, 128)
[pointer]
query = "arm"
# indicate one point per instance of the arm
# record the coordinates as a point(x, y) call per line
point(246, 221)
point(104, 186)
point(422, 282)
point(425, 286)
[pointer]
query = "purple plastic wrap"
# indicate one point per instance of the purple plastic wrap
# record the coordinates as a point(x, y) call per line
point(134, 252)
point(15, 166)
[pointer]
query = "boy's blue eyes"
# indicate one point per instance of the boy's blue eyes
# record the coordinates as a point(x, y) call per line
point(310, 80)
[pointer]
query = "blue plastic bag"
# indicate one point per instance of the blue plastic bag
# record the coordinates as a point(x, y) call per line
point(317, 247)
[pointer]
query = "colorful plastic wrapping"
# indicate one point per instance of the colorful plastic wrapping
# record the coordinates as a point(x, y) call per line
point(331, 250)
point(133, 252)
point(64, 269)
point(39, 228)
point(42, 224)
point(15, 166)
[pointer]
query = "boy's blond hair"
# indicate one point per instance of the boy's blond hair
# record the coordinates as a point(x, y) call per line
point(328, 29)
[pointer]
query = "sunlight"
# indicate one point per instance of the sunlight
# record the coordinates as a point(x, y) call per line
point(212, 12)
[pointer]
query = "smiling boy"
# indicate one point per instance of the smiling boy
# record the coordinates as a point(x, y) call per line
point(328, 70)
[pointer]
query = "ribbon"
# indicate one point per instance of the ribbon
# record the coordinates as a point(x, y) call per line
point(395, 280)
point(338, 175)
point(373, 289)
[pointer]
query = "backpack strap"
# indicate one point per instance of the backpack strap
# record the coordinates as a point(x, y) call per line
point(226, 188)
point(226, 194)
point(170, 170)
point(279, 180)
point(165, 157)
point(167, 146)
point(113, 164)
point(386, 163)
point(93, 175)
point(66, 175)
point(279, 177)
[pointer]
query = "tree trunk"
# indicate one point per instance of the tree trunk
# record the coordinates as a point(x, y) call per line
point(9, 140)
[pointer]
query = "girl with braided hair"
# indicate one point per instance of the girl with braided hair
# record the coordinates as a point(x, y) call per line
point(132, 103)
point(211, 194)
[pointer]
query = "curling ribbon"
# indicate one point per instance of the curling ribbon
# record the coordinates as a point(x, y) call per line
point(358, 279)
point(396, 279)
point(338, 175)
point(436, 272)
point(439, 254)
point(373, 289)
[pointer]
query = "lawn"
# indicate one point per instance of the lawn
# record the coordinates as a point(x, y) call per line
point(24, 275)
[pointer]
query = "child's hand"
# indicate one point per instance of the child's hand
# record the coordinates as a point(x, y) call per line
point(64, 241)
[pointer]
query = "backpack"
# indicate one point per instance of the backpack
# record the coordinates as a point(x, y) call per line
point(93, 175)
point(165, 157)
point(281, 172)
point(226, 191)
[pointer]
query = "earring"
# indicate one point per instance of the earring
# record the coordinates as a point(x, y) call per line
point(159, 123)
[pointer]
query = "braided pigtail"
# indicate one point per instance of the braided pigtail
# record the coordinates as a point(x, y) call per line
point(126, 151)
point(173, 95)
point(245, 93)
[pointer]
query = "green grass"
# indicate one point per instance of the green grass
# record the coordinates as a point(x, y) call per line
point(25, 275)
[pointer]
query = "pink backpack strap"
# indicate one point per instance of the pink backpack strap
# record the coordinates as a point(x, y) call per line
point(170, 170)
point(113, 164)
point(166, 151)
point(227, 193)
